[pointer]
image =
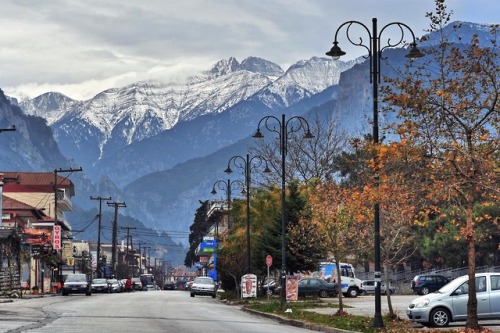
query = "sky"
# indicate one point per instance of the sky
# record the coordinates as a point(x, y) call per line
point(82, 47)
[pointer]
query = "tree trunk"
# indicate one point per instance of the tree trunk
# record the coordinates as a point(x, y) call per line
point(472, 320)
point(339, 287)
point(388, 291)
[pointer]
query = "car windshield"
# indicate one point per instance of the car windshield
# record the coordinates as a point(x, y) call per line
point(205, 280)
point(76, 278)
point(454, 284)
point(99, 281)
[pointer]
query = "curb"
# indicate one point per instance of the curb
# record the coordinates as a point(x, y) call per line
point(298, 323)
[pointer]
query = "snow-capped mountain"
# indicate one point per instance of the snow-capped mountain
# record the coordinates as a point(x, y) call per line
point(93, 131)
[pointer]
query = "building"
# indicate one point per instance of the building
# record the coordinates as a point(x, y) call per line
point(33, 204)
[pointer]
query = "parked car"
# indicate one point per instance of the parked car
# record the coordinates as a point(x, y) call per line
point(316, 286)
point(180, 284)
point(203, 285)
point(114, 286)
point(450, 302)
point(100, 286)
point(77, 284)
point(428, 283)
point(169, 285)
point(268, 285)
point(368, 288)
point(136, 283)
point(188, 285)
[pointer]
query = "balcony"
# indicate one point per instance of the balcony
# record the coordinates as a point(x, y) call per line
point(64, 201)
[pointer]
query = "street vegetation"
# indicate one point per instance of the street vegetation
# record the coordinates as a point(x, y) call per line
point(437, 184)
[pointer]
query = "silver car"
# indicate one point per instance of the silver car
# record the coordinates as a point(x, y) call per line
point(449, 303)
point(203, 285)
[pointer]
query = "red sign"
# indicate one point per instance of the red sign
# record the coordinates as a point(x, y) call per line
point(56, 240)
point(269, 260)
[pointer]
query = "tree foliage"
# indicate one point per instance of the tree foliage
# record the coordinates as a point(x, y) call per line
point(449, 106)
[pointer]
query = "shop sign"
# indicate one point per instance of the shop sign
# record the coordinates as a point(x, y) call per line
point(56, 240)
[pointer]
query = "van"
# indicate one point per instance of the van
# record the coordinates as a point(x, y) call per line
point(449, 303)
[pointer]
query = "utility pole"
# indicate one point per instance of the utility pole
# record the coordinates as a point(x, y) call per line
point(99, 262)
point(115, 233)
point(127, 259)
point(56, 220)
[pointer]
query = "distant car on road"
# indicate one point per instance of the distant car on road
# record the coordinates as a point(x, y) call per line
point(136, 284)
point(100, 286)
point(169, 285)
point(77, 284)
point(368, 288)
point(114, 286)
point(428, 283)
point(203, 285)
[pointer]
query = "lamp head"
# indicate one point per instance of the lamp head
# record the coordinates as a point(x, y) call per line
point(267, 170)
point(335, 52)
point(414, 52)
point(258, 134)
point(308, 135)
point(214, 192)
point(228, 170)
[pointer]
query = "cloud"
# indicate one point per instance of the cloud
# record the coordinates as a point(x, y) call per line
point(82, 46)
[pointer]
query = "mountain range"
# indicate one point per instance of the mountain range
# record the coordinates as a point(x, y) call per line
point(160, 147)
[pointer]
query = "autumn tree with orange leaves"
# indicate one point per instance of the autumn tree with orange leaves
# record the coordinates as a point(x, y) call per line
point(449, 106)
point(342, 222)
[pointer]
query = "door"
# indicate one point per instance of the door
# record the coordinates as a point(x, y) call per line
point(495, 296)
point(460, 301)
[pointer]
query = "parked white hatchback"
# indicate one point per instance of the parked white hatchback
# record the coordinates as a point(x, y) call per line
point(449, 303)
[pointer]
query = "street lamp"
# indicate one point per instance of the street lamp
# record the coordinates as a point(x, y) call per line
point(375, 54)
point(227, 187)
point(246, 165)
point(283, 128)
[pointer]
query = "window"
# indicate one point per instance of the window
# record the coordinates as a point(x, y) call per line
point(481, 284)
point(495, 282)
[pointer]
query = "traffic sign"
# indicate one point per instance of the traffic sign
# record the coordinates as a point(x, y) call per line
point(269, 260)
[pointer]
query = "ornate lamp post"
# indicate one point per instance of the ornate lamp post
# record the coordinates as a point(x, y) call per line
point(374, 55)
point(227, 187)
point(283, 128)
point(246, 165)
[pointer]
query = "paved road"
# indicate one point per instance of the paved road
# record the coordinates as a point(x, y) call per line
point(143, 312)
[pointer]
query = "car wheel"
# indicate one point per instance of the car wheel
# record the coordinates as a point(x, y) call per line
point(192, 295)
point(213, 295)
point(440, 317)
point(424, 291)
point(323, 293)
point(352, 292)
point(64, 293)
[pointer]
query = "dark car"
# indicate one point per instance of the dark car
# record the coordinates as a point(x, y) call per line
point(136, 284)
point(317, 287)
point(77, 284)
point(169, 285)
point(428, 283)
point(269, 287)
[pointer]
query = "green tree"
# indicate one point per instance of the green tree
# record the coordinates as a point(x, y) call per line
point(197, 230)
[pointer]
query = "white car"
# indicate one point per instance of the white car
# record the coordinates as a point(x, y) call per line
point(368, 288)
point(203, 285)
point(449, 303)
